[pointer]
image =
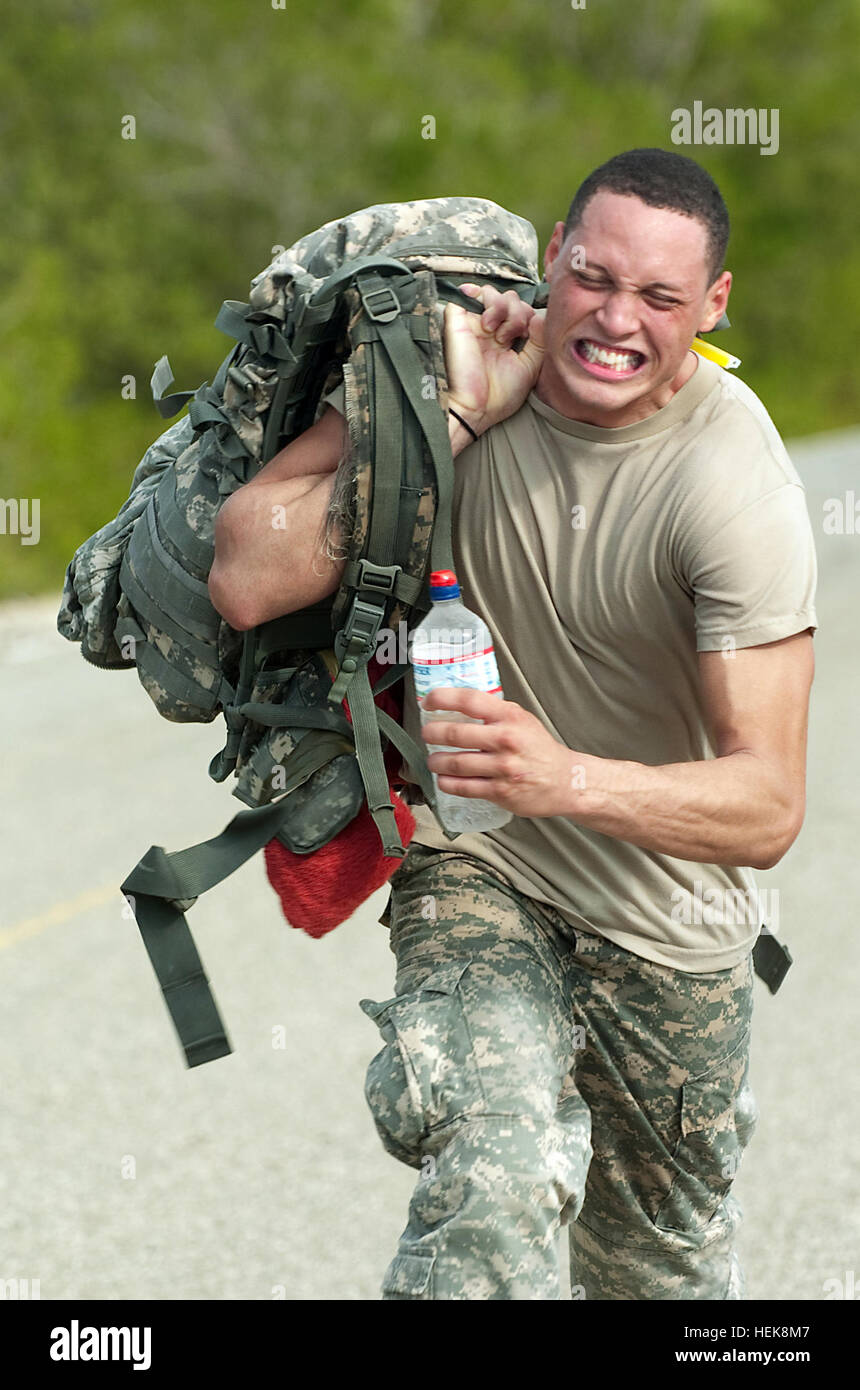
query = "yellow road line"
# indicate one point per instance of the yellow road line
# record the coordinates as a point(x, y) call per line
point(61, 912)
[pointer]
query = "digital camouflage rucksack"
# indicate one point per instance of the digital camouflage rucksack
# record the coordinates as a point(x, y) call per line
point(362, 299)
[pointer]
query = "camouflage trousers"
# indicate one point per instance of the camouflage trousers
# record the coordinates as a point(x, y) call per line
point(538, 1078)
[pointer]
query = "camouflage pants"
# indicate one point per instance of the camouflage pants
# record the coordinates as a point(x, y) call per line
point(538, 1078)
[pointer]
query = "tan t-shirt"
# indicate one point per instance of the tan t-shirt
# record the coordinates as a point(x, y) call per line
point(602, 560)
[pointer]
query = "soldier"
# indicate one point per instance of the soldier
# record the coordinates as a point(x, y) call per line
point(568, 1038)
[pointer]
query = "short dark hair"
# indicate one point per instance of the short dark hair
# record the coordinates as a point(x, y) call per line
point(662, 179)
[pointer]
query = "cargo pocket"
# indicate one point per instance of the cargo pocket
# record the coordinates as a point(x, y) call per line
point(409, 1276)
point(718, 1117)
point(426, 1077)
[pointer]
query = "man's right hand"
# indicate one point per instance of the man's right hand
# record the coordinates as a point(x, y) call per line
point(487, 379)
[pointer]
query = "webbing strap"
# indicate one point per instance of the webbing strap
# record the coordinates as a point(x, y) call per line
point(231, 320)
point(368, 750)
point(224, 761)
point(364, 331)
point(278, 675)
point(448, 289)
point(179, 970)
point(397, 341)
point(287, 716)
point(206, 412)
point(266, 339)
point(417, 759)
point(387, 461)
point(330, 287)
point(161, 378)
point(414, 753)
point(392, 675)
point(161, 880)
point(415, 756)
point(219, 381)
point(452, 294)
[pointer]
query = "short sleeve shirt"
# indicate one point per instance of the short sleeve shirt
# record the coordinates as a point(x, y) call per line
point(602, 561)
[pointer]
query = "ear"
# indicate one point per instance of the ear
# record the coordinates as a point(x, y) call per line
point(554, 245)
point(715, 301)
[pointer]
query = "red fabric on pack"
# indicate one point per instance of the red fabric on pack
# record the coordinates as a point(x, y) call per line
point(318, 891)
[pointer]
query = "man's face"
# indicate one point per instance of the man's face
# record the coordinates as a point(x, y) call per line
point(628, 293)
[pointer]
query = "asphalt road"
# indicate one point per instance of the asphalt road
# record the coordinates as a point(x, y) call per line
point(124, 1175)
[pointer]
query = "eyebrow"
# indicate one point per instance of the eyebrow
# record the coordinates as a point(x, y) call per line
point(654, 284)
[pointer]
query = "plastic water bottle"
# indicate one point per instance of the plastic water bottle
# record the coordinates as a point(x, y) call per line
point(453, 647)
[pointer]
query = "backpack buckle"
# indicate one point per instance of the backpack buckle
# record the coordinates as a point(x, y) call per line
point(361, 626)
point(381, 303)
point(353, 645)
point(380, 579)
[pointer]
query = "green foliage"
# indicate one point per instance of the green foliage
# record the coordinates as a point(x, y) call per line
point(255, 124)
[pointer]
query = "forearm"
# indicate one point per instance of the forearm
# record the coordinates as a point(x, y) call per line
point(269, 552)
point(728, 810)
point(269, 536)
point(270, 556)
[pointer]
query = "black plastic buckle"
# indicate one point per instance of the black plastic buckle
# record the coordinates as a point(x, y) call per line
point(385, 295)
point(380, 579)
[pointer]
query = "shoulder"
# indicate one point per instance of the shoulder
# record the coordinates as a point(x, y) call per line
point(733, 490)
point(732, 438)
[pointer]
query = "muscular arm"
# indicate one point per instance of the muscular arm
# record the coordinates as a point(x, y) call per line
point(745, 806)
point(268, 555)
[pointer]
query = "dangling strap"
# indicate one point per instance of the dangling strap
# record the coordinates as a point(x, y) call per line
point(371, 764)
point(161, 881)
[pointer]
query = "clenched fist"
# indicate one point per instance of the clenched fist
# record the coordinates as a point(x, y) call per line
point(487, 379)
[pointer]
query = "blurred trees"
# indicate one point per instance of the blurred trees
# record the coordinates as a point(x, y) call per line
point(254, 124)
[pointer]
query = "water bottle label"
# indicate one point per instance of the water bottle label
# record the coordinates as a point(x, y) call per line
point(475, 671)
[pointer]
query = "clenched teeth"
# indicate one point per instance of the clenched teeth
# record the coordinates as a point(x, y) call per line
point(609, 357)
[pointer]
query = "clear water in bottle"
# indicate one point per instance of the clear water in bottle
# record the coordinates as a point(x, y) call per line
point(453, 647)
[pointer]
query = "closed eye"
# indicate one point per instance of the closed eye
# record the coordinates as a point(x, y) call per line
point(590, 281)
point(598, 282)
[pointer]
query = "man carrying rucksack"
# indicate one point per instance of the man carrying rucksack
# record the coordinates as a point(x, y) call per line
point(569, 1034)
